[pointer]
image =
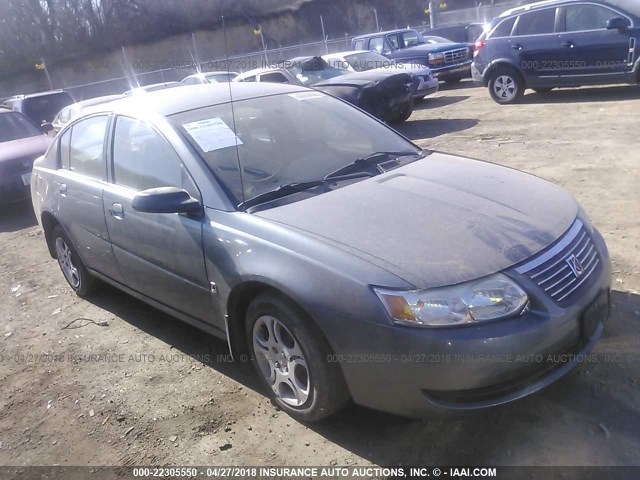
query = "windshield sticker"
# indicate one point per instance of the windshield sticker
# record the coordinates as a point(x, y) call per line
point(212, 134)
point(306, 95)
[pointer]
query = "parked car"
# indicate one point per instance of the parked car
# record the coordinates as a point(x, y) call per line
point(21, 142)
point(462, 32)
point(559, 44)
point(387, 95)
point(40, 107)
point(71, 111)
point(209, 77)
point(152, 88)
point(448, 62)
point(364, 60)
point(343, 259)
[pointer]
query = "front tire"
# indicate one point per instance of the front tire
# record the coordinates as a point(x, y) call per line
point(506, 86)
point(403, 114)
point(74, 271)
point(293, 360)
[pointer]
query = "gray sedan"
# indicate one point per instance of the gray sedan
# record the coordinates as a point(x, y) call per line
point(347, 262)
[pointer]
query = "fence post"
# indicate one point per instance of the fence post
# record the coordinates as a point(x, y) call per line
point(434, 6)
point(324, 37)
point(375, 14)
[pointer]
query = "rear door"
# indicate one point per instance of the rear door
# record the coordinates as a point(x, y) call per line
point(159, 255)
point(80, 183)
point(593, 50)
point(536, 44)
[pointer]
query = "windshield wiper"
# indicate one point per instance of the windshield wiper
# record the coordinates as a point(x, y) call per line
point(291, 188)
point(374, 158)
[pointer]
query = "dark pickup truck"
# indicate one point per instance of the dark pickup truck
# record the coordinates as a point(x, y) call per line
point(449, 62)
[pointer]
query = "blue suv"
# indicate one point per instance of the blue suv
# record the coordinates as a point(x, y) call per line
point(559, 43)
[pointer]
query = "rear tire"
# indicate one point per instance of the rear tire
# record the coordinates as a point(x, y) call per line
point(74, 271)
point(506, 86)
point(293, 360)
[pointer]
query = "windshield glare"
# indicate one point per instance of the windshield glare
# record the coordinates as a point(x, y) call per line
point(283, 139)
point(14, 126)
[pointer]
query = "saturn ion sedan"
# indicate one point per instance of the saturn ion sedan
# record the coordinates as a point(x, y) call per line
point(344, 260)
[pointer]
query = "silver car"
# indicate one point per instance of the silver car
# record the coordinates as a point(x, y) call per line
point(347, 262)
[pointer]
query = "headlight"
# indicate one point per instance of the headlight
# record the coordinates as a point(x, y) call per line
point(436, 58)
point(486, 299)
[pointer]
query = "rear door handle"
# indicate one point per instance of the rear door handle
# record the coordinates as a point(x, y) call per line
point(63, 189)
point(568, 44)
point(116, 211)
point(517, 46)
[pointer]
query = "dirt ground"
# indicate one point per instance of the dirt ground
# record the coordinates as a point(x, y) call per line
point(158, 392)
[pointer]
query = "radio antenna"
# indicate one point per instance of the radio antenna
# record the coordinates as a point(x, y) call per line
point(233, 112)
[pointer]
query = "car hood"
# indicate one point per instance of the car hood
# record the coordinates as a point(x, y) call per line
point(437, 221)
point(24, 148)
point(368, 77)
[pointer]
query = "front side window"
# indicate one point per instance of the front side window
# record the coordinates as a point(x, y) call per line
point(395, 41)
point(142, 158)
point(538, 22)
point(411, 39)
point(282, 139)
point(587, 17)
point(86, 149)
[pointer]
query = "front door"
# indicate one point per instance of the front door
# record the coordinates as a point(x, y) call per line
point(159, 255)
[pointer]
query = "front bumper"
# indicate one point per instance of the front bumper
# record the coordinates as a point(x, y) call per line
point(459, 70)
point(427, 87)
point(418, 372)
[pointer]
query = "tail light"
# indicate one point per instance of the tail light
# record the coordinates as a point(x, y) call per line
point(479, 44)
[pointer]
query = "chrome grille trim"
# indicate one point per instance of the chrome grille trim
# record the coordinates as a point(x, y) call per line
point(456, 56)
point(549, 254)
point(552, 271)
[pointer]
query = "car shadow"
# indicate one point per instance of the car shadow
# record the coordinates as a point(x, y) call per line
point(17, 216)
point(440, 101)
point(420, 129)
point(209, 350)
point(617, 93)
point(462, 85)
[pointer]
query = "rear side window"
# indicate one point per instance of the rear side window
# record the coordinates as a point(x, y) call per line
point(587, 17)
point(536, 23)
point(142, 158)
point(86, 151)
point(358, 45)
point(504, 28)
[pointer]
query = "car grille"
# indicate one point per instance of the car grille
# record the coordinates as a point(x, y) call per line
point(456, 56)
point(556, 270)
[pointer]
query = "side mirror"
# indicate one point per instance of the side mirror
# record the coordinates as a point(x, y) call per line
point(46, 127)
point(617, 23)
point(165, 200)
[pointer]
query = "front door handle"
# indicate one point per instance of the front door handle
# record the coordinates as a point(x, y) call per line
point(568, 44)
point(116, 211)
point(63, 189)
point(517, 46)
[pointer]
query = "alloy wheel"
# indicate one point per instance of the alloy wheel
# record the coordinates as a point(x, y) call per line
point(65, 260)
point(505, 87)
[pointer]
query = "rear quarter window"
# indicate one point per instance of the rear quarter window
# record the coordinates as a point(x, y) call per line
point(504, 28)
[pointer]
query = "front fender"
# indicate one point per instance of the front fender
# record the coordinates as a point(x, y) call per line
point(501, 62)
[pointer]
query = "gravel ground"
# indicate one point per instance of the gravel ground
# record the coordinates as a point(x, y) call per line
point(158, 392)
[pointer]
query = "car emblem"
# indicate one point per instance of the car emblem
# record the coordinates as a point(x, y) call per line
point(575, 266)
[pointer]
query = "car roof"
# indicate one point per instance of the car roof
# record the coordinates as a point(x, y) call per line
point(38, 94)
point(397, 30)
point(551, 3)
point(192, 97)
point(348, 52)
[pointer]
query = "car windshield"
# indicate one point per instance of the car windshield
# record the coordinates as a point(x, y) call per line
point(283, 139)
point(45, 107)
point(14, 126)
point(361, 62)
